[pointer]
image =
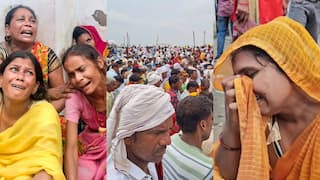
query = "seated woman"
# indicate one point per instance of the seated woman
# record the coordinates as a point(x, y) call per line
point(89, 35)
point(86, 71)
point(273, 104)
point(30, 134)
point(21, 26)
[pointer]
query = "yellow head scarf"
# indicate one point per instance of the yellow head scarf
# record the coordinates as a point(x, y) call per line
point(290, 46)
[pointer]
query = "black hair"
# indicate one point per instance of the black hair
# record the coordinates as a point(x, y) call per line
point(77, 32)
point(116, 64)
point(191, 110)
point(41, 93)
point(175, 72)
point(257, 53)
point(206, 94)
point(119, 79)
point(136, 70)
point(134, 78)
point(190, 71)
point(85, 51)
point(206, 65)
point(173, 79)
point(10, 15)
point(192, 84)
point(123, 70)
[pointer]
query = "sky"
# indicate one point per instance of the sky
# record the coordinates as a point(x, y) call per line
point(151, 22)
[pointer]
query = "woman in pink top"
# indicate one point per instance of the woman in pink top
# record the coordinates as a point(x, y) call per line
point(86, 71)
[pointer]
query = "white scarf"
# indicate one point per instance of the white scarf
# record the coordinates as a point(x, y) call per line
point(137, 108)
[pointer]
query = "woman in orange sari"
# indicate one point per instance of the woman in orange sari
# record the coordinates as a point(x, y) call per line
point(272, 129)
point(21, 27)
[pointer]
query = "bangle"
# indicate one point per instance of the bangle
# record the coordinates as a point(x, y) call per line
point(227, 147)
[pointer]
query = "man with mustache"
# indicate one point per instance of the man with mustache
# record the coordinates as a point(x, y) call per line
point(138, 132)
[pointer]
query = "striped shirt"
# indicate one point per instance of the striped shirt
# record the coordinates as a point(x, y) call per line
point(183, 161)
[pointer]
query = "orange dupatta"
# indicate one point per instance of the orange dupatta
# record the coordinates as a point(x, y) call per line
point(302, 160)
point(41, 52)
point(254, 161)
point(297, 54)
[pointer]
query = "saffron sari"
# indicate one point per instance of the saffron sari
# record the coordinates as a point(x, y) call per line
point(293, 49)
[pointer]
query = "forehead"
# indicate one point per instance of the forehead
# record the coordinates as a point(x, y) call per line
point(244, 59)
point(84, 36)
point(74, 61)
point(22, 62)
point(23, 11)
point(165, 125)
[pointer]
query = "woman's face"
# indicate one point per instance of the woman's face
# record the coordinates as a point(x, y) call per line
point(84, 74)
point(271, 87)
point(85, 38)
point(23, 26)
point(18, 81)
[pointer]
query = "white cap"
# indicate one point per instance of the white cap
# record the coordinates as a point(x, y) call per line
point(153, 77)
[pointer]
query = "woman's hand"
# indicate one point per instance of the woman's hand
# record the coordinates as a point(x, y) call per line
point(228, 153)
point(60, 91)
point(42, 175)
point(231, 132)
point(71, 151)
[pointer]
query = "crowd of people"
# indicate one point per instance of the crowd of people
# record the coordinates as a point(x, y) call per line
point(147, 87)
point(41, 109)
point(272, 106)
point(146, 112)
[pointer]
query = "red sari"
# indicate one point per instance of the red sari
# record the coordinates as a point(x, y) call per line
point(101, 45)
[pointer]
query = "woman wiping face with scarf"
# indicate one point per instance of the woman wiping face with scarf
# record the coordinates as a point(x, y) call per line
point(271, 82)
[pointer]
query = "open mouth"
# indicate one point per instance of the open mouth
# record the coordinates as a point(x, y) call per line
point(18, 87)
point(87, 84)
point(28, 33)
